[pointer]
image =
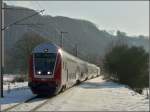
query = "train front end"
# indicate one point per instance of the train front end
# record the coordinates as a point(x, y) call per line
point(45, 69)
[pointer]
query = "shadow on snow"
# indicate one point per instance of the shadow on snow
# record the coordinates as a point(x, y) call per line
point(100, 85)
point(20, 95)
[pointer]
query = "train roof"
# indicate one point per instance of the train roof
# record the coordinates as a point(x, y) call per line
point(77, 59)
point(49, 47)
point(46, 47)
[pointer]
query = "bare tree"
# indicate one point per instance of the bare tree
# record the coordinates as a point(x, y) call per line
point(22, 50)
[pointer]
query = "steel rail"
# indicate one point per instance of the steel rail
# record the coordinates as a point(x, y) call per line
point(16, 105)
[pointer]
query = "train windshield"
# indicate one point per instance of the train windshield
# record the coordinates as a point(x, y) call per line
point(44, 63)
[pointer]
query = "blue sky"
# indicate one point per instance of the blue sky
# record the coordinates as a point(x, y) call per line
point(131, 17)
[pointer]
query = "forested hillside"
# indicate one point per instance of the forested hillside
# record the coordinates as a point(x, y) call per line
point(91, 42)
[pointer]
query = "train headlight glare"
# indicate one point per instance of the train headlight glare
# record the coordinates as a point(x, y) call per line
point(45, 50)
point(60, 51)
point(48, 72)
point(39, 72)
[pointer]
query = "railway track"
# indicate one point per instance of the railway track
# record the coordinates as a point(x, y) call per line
point(16, 105)
point(50, 98)
point(30, 100)
point(40, 105)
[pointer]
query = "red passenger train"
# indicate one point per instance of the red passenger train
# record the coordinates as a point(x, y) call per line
point(52, 70)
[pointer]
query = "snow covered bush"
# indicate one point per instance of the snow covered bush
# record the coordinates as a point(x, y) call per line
point(18, 79)
point(128, 65)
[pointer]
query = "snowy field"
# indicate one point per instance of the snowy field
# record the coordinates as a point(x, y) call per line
point(92, 95)
point(15, 93)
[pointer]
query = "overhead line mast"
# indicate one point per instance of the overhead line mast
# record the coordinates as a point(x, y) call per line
point(1, 47)
point(2, 29)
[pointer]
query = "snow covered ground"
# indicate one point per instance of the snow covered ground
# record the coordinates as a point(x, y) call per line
point(98, 95)
point(92, 95)
point(9, 77)
point(15, 93)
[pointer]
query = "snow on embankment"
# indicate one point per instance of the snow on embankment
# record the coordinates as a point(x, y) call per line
point(9, 85)
point(98, 95)
point(92, 95)
point(8, 77)
point(14, 93)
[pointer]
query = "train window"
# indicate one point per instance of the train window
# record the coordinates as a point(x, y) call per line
point(63, 65)
point(44, 63)
point(67, 75)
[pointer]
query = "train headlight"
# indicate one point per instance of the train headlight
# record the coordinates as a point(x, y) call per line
point(45, 50)
point(39, 72)
point(60, 51)
point(48, 72)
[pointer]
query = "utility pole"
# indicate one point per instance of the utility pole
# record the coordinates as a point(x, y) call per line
point(2, 30)
point(61, 39)
point(1, 47)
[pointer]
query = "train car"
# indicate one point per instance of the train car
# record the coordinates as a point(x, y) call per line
point(52, 70)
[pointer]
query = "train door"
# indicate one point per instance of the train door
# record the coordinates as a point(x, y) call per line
point(67, 75)
point(78, 73)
